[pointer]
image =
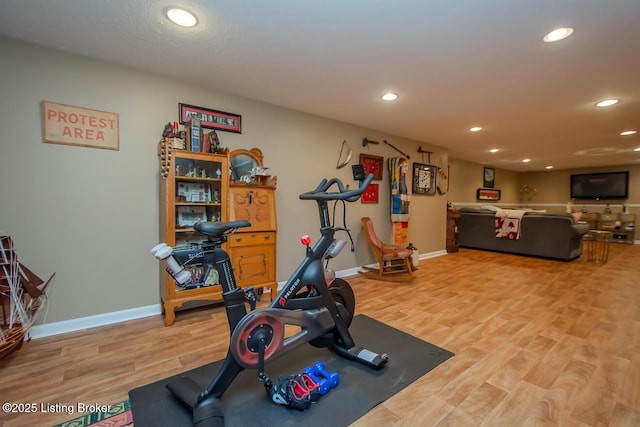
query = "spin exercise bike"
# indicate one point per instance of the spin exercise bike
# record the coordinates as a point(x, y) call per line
point(312, 299)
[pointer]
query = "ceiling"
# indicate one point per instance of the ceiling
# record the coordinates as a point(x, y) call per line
point(454, 64)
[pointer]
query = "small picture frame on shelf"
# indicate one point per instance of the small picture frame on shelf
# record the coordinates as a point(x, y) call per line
point(194, 192)
point(188, 216)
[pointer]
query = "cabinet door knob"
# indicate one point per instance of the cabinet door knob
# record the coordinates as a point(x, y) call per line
point(238, 239)
point(267, 237)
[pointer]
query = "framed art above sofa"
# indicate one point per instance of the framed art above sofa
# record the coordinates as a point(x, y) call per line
point(488, 194)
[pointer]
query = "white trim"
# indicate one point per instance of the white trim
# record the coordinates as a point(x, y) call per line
point(433, 254)
point(574, 204)
point(74, 325)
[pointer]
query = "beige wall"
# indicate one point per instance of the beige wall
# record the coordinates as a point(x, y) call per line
point(92, 215)
point(467, 178)
point(552, 187)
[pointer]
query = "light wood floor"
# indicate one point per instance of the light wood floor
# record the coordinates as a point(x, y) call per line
point(537, 342)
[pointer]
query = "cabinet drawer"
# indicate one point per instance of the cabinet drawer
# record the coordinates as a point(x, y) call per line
point(254, 265)
point(249, 239)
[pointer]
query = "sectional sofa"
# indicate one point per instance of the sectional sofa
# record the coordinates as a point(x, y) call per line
point(553, 235)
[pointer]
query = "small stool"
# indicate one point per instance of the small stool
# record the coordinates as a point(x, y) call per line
point(598, 245)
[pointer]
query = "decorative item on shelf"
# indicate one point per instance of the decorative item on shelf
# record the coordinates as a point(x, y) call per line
point(247, 168)
point(527, 193)
point(189, 215)
point(193, 135)
point(164, 153)
point(211, 142)
point(174, 135)
point(168, 131)
point(194, 192)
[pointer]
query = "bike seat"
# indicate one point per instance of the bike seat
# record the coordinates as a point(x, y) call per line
point(217, 229)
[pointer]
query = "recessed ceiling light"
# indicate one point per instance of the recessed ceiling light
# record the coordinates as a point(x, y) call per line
point(558, 34)
point(607, 102)
point(475, 129)
point(548, 167)
point(526, 160)
point(181, 17)
point(494, 150)
point(628, 132)
point(390, 96)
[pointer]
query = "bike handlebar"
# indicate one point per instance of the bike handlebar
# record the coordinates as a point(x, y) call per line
point(320, 193)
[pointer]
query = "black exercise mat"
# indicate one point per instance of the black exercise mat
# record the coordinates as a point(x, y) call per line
point(245, 403)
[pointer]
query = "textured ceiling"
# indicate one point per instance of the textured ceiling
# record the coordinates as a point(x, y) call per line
point(455, 64)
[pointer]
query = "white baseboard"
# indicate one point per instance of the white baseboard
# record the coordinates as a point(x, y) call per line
point(73, 325)
point(433, 254)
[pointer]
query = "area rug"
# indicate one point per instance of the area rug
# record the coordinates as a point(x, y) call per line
point(119, 415)
point(245, 403)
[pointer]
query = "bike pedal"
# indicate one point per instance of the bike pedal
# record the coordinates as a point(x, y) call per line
point(252, 296)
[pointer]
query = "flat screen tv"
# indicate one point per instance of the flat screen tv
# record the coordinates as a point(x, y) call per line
point(598, 186)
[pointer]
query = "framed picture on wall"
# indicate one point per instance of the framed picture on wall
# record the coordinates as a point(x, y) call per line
point(424, 179)
point(487, 194)
point(210, 119)
point(372, 164)
point(370, 195)
point(489, 178)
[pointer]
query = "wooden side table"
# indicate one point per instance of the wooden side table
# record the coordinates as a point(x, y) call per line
point(452, 229)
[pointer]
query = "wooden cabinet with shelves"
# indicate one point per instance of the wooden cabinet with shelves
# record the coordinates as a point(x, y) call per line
point(253, 249)
point(252, 197)
point(193, 187)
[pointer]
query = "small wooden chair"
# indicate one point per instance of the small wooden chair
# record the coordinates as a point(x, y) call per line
point(394, 260)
